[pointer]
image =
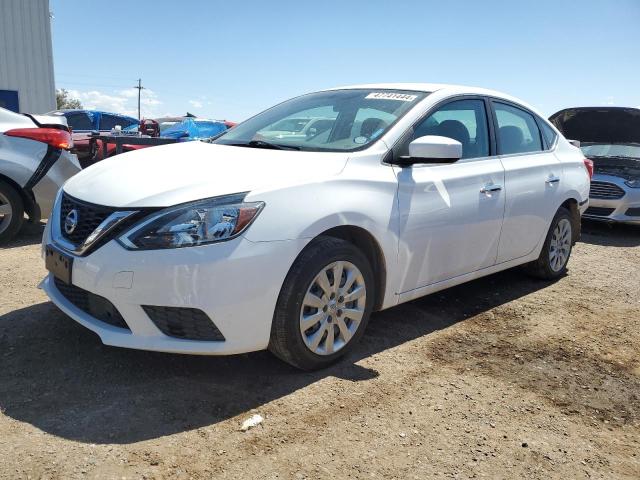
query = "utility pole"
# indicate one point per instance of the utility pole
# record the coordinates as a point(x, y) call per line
point(139, 87)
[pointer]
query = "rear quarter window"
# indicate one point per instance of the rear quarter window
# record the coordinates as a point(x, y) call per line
point(548, 133)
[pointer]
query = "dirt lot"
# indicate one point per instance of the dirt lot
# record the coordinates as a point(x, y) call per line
point(501, 378)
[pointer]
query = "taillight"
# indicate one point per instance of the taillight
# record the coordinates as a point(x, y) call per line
point(51, 136)
point(588, 163)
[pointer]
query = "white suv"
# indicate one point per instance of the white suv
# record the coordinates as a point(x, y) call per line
point(245, 244)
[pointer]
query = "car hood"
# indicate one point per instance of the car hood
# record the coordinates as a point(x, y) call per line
point(599, 124)
point(177, 173)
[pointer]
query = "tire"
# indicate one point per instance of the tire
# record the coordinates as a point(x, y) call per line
point(13, 207)
point(344, 321)
point(549, 266)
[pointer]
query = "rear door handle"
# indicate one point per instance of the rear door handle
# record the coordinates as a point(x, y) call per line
point(553, 179)
point(489, 188)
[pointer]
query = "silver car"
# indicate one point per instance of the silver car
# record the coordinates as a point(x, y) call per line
point(610, 137)
point(34, 163)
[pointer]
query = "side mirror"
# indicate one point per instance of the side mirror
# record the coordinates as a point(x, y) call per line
point(433, 149)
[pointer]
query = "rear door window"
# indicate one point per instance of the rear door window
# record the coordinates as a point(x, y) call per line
point(79, 121)
point(517, 130)
point(107, 122)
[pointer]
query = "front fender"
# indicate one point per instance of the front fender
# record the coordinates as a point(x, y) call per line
point(364, 197)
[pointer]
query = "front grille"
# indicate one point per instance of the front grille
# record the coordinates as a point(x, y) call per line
point(605, 190)
point(599, 211)
point(185, 323)
point(98, 307)
point(633, 212)
point(89, 217)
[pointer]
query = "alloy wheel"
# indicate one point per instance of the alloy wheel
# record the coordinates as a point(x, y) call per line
point(6, 212)
point(333, 307)
point(560, 245)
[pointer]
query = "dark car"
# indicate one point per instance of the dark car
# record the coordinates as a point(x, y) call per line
point(610, 137)
point(83, 122)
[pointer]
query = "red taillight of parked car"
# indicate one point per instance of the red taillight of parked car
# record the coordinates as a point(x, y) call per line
point(588, 163)
point(55, 137)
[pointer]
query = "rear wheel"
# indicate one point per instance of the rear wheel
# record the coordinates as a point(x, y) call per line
point(11, 212)
point(324, 304)
point(553, 259)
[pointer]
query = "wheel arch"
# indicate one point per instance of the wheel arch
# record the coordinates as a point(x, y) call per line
point(571, 204)
point(370, 247)
point(30, 206)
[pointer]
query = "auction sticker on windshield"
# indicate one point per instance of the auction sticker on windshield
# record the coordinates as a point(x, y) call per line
point(403, 97)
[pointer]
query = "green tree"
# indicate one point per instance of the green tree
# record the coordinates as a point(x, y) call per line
point(63, 100)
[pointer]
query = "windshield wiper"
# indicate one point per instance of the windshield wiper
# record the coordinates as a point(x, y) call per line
point(263, 144)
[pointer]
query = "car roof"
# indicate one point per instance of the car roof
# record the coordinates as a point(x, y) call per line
point(62, 111)
point(447, 89)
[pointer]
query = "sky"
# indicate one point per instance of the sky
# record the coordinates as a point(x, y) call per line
point(232, 59)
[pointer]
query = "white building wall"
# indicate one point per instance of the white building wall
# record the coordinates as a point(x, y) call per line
point(26, 55)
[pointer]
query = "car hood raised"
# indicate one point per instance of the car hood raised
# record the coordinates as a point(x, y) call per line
point(599, 124)
point(173, 174)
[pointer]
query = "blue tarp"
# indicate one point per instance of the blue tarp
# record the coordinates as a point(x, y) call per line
point(194, 129)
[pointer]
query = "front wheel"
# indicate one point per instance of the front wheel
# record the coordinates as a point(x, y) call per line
point(324, 304)
point(553, 259)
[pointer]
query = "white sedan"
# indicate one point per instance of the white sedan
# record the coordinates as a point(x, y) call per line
point(246, 243)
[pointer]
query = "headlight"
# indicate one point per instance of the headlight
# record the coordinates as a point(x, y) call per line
point(192, 224)
point(635, 183)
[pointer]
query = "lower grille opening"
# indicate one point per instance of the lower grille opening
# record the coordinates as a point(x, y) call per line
point(98, 307)
point(633, 212)
point(185, 323)
point(599, 211)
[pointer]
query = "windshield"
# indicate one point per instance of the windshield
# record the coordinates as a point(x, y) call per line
point(630, 150)
point(337, 120)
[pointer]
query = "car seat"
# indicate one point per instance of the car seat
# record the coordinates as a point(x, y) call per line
point(371, 126)
point(456, 130)
point(510, 139)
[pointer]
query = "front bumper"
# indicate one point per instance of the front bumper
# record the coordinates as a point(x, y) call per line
point(621, 210)
point(235, 283)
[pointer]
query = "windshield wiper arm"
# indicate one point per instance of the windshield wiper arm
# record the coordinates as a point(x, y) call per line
point(263, 144)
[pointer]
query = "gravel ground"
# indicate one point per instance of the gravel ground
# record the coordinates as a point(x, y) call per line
point(504, 377)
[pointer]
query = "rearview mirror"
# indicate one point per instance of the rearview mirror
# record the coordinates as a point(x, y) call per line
point(433, 149)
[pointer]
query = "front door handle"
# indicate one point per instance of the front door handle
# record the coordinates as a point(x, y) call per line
point(553, 179)
point(490, 188)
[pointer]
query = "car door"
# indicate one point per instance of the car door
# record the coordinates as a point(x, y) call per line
point(532, 178)
point(451, 214)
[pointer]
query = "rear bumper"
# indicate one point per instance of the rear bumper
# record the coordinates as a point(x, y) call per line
point(65, 167)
